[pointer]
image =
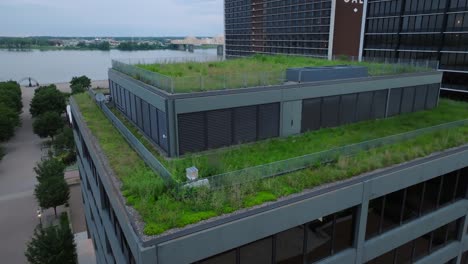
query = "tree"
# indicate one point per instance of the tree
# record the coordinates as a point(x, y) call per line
point(47, 124)
point(2, 153)
point(64, 146)
point(50, 168)
point(52, 245)
point(9, 119)
point(47, 99)
point(64, 141)
point(80, 84)
point(52, 190)
point(10, 95)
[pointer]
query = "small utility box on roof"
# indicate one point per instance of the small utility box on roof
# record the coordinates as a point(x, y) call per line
point(314, 74)
point(192, 173)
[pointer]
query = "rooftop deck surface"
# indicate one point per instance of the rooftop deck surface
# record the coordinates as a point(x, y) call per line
point(258, 70)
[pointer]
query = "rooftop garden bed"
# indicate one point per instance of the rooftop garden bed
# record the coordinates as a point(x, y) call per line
point(163, 209)
point(258, 70)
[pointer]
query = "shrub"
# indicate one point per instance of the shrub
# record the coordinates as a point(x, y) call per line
point(47, 99)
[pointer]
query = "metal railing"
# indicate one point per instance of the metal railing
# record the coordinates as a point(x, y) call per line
point(309, 160)
point(142, 151)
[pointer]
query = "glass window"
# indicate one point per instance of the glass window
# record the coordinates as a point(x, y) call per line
point(258, 252)
point(413, 202)
point(392, 210)
point(319, 238)
point(227, 258)
point(438, 238)
point(290, 246)
point(344, 230)
point(431, 195)
point(403, 253)
point(421, 246)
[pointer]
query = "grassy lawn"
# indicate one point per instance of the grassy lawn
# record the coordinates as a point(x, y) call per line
point(257, 70)
point(163, 209)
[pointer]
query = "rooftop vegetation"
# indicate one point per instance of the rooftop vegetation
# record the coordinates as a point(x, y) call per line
point(263, 63)
point(163, 209)
point(257, 70)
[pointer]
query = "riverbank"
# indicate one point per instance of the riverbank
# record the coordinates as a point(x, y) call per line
point(65, 86)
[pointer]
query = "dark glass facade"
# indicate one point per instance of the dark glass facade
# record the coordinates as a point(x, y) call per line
point(435, 30)
point(277, 27)
point(421, 246)
point(397, 208)
point(305, 243)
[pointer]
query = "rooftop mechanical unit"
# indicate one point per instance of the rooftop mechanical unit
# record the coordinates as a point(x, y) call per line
point(325, 73)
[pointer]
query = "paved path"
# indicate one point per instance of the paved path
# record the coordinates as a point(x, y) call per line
point(17, 203)
point(17, 179)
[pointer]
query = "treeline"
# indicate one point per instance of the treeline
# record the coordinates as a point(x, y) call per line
point(128, 45)
point(24, 43)
point(10, 110)
point(104, 45)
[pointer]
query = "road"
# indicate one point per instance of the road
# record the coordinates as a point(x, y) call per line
point(17, 179)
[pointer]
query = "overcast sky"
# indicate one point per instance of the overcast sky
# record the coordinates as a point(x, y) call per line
point(111, 17)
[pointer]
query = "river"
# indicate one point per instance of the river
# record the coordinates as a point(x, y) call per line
point(62, 65)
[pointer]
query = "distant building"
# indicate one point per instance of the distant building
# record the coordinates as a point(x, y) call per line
point(218, 40)
point(395, 30)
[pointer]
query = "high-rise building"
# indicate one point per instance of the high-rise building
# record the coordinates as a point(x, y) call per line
point(394, 30)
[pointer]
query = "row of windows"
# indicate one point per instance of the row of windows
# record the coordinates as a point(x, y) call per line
point(402, 55)
point(105, 203)
point(397, 208)
point(281, 15)
point(421, 246)
point(455, 80)
point(427, 6)
point(457, 22)
point(331, 234)
point(306, 243)
point(407, 41)
point(454, 61)
point(384, 8)
point(451, 42)
point(284, 30)
point(237, 6)
point(283, 44)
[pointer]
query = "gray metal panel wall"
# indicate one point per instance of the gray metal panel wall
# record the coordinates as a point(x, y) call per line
point(154, 124)
point(146, 118)
point(133, 108)
point(330, 111)
point(213, 129)
point(432, 96)
point(245, 124)
point(219, 128)
point(420, 98)
point(139, 114)
point(379, 104)
point(348, 108)
point(311, 114)
point(191, 132)
point(291, 115)
point(407, 100)
point(364, 106)
point(394, 103)
point(268, 120)
point(162, 130)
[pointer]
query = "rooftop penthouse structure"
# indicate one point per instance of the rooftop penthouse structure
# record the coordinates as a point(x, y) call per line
point(367, 165)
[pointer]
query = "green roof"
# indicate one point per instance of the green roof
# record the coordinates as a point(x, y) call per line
point(163, 208)
point(258, 70)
